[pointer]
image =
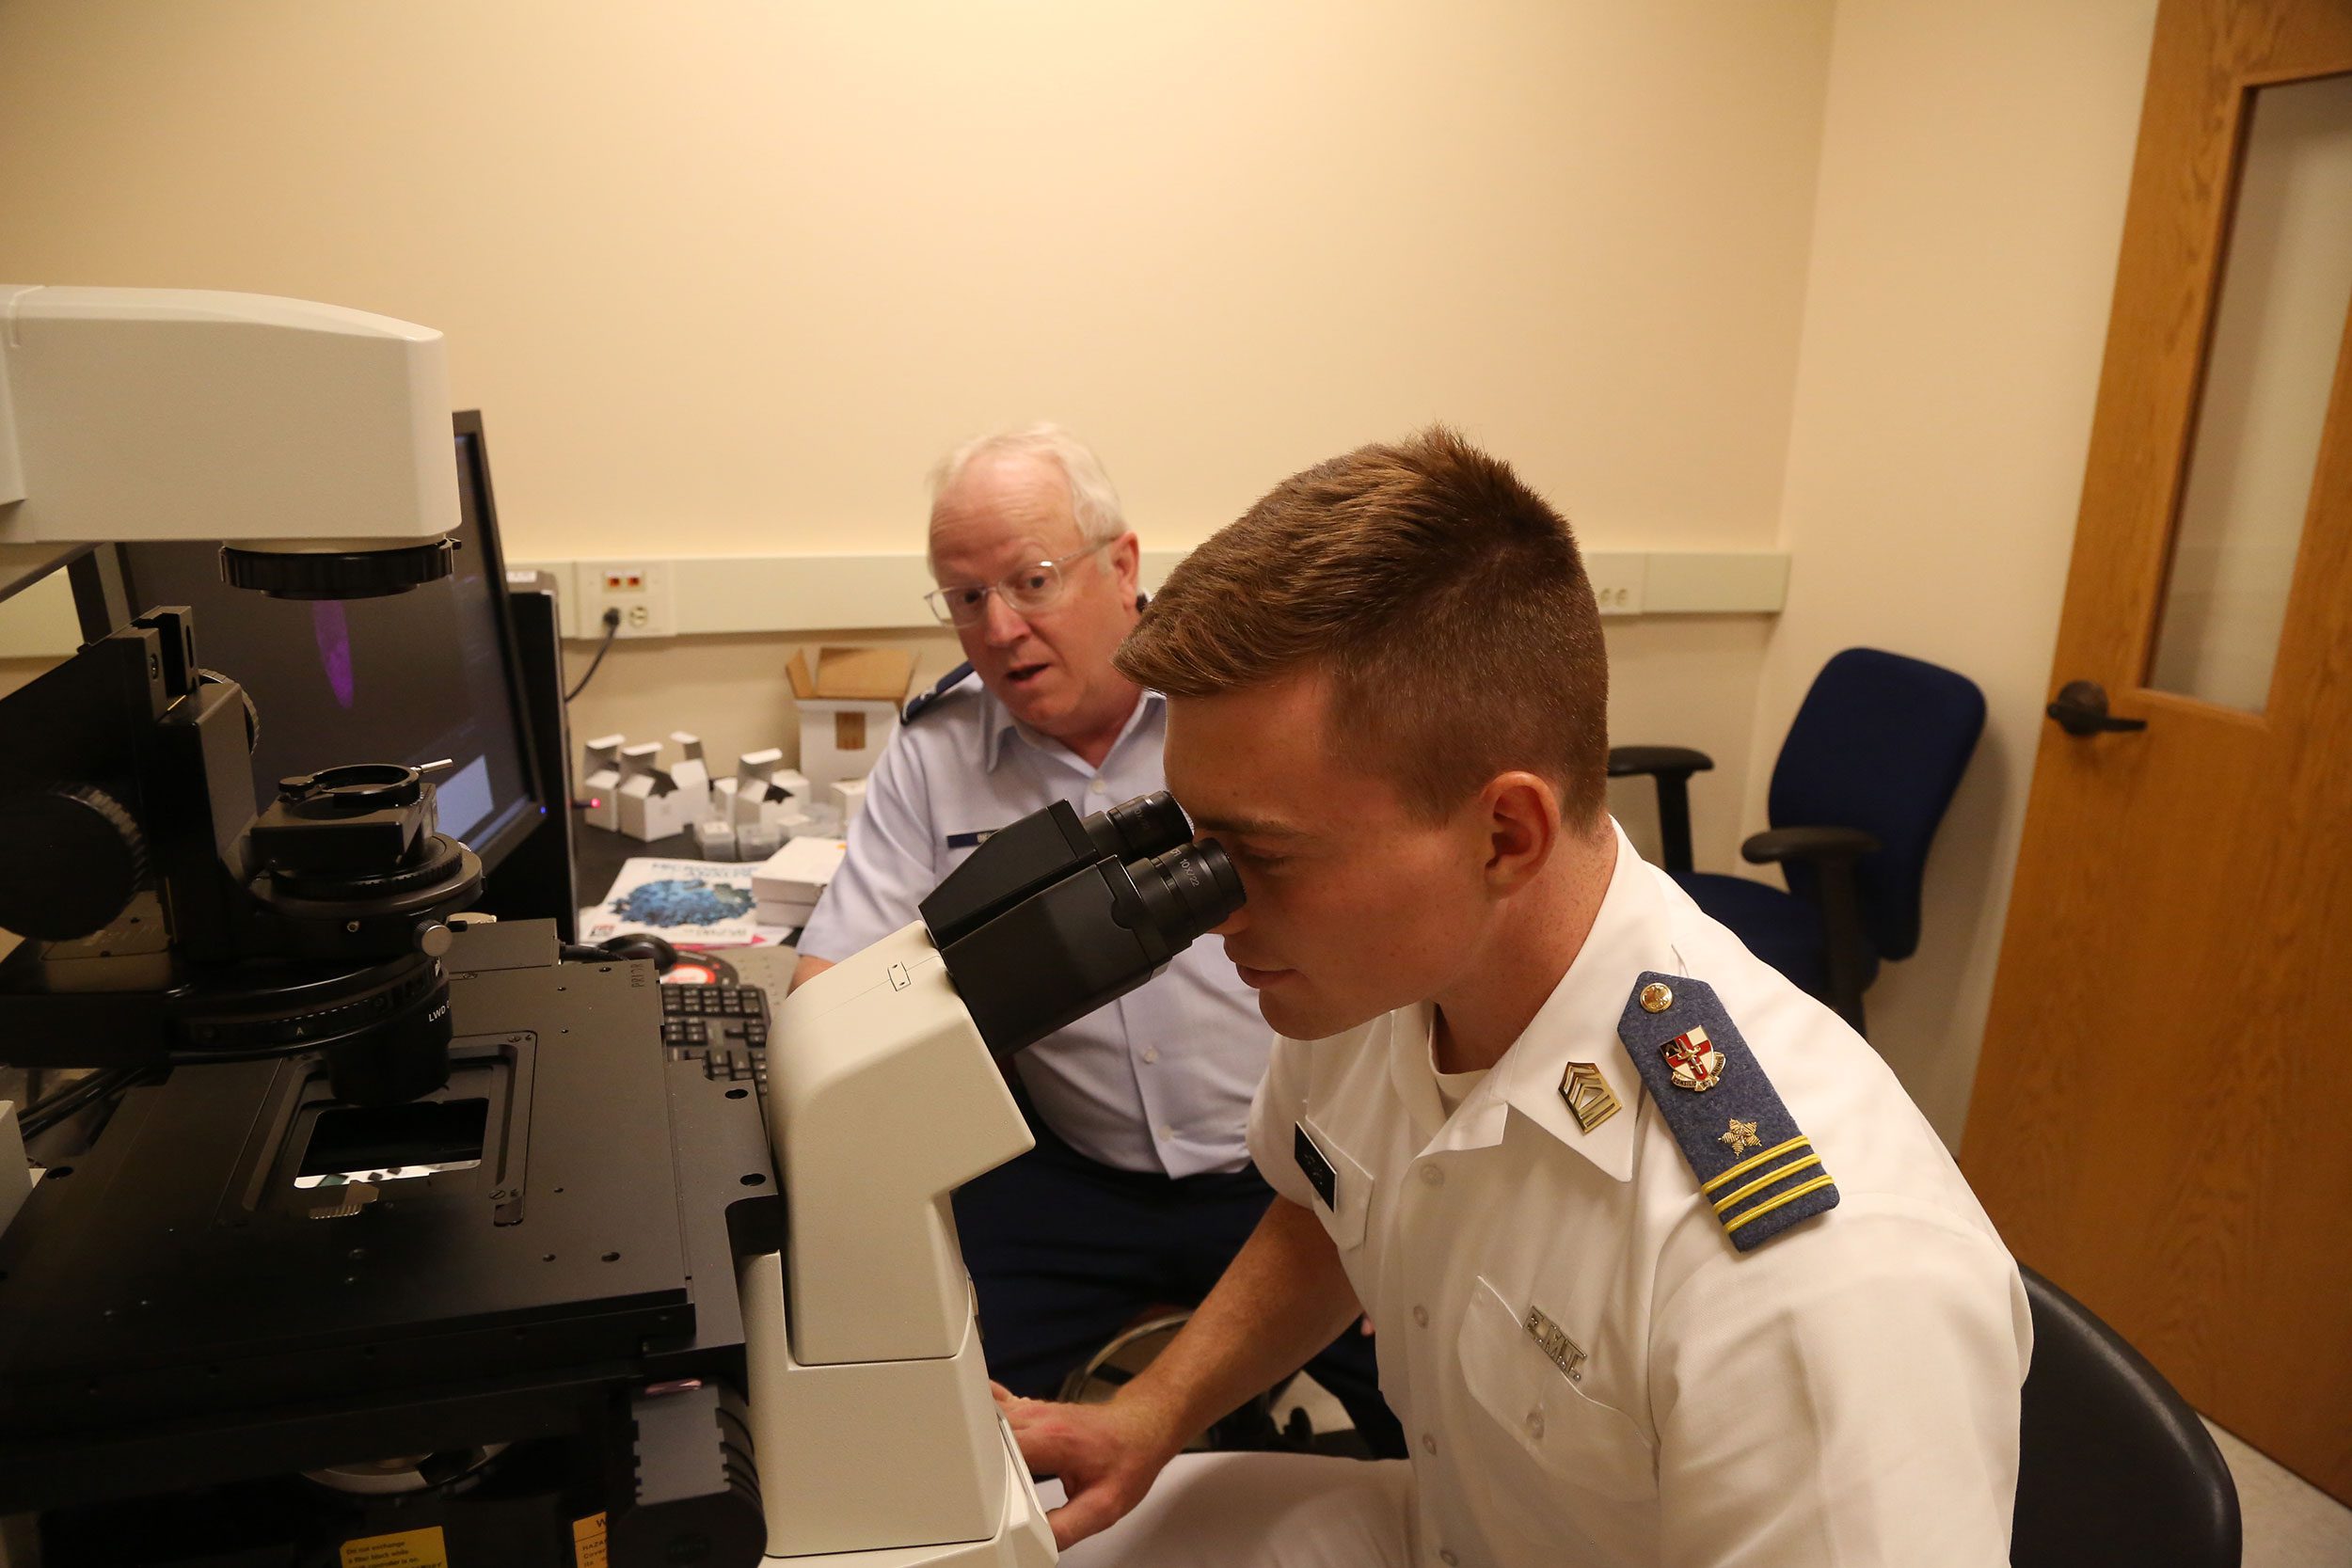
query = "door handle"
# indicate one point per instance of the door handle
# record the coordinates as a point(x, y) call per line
point(2081, 708)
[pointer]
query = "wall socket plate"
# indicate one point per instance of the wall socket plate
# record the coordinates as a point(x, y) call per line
point(1620, 580)
point(640, 590)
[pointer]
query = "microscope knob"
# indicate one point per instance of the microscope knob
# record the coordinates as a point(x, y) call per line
point(76, 857)
point(252, 714)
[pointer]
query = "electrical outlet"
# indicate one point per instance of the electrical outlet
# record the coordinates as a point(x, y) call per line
point(640, 590)
point(1620, 580)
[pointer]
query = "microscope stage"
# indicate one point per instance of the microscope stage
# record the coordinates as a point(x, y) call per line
point(243, 1271)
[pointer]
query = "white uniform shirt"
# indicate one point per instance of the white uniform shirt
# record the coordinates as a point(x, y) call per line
point(1159, 1080)
point(1846, 1393)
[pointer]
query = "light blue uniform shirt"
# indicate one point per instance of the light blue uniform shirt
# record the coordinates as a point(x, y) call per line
point(1160, 1080)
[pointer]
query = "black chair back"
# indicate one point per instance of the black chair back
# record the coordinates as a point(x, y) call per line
point(2115, 1468)
point(1879, 744)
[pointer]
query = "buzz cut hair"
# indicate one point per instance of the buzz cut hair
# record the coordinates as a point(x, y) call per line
point(1444, 600)
point(1092, 501)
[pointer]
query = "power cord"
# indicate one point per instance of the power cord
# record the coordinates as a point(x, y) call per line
point(611, 629)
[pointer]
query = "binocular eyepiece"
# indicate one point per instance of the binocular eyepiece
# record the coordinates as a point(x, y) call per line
point(1057, 914)
point(1189, 889)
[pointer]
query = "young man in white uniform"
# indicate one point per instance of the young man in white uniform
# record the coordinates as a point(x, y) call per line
point(1140, 1189)
point(1668, 1270)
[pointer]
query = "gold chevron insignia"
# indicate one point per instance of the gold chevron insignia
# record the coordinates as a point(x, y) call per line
point(1588, 1095)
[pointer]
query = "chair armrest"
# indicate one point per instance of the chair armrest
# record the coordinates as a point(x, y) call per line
point(1670, 769)
point(1626, 761)
point(1830, 853)
point(1824, 844)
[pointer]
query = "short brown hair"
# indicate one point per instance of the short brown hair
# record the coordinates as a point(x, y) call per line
point(1444, 598)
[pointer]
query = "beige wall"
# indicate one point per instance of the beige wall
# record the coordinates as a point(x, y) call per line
point(1970, 210)
point(728, 276)
point(735, 271)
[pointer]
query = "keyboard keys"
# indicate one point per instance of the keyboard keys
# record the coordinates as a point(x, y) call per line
point(724, 1027)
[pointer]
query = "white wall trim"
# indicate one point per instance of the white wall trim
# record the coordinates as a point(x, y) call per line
point(737, 593)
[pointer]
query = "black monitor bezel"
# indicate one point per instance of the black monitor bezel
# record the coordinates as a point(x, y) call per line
point(468, 421)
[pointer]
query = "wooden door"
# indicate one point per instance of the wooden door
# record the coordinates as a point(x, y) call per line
point(2163, 1113)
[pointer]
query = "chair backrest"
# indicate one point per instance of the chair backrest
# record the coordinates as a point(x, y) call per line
point(2113, 1467)
point(1879, 744)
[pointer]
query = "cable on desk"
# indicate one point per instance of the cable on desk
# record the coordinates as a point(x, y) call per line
point(611, 629)
point(39, 1117)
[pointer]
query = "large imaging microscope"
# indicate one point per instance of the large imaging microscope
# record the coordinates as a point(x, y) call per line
point(404, 1243)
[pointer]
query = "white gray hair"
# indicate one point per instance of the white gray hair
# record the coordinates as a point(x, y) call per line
point(1092, 501)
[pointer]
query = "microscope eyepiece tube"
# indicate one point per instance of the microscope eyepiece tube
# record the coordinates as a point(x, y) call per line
point(1147, 825)
point(1085, 935)
point(1188, 891)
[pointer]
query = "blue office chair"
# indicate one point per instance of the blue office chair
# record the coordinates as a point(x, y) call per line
point(1863, 780)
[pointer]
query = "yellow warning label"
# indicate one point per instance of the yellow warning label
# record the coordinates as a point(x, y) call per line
point(588, 1542)
point(410, 1548)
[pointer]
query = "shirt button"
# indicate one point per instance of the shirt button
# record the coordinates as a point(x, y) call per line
point(1095, 787)
point(1432, 1176)
point(1150, 1053)
point(1421, 1316)
point(1167, 1131)
point(1535, 1424)
point(1428, 1443)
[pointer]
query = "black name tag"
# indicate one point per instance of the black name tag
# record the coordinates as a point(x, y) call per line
point(970, 841)
point(1318, 1170)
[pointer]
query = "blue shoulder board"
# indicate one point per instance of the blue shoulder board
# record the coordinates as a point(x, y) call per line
point(1755, 1166)
point(930, 700)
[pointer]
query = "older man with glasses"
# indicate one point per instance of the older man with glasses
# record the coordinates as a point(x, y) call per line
point(1140, 1189)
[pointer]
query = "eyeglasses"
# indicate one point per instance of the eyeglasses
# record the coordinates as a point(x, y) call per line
point(1030, 589)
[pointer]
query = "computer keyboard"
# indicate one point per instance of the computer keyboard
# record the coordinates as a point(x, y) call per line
point(724, 1027)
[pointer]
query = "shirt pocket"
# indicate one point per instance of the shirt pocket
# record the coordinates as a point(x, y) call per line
point(1542, 1415)
point(1344, 1209)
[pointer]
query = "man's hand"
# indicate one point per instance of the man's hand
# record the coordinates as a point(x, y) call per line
point(1279, 1301)
point(1105, 1455)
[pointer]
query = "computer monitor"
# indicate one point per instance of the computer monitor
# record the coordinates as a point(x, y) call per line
point(413, 678)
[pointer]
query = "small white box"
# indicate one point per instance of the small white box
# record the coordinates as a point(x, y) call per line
point(849, 700)
point(799, 872)
point(852, 793)
point(771, 914)
point(692, 775)
point(601, 781)
point(763, 792)
point(651, 805)
point(714, 840)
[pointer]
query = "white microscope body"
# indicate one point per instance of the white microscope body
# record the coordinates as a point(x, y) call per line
point(869, 1402)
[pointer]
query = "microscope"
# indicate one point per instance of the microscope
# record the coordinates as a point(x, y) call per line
point(404, 1241)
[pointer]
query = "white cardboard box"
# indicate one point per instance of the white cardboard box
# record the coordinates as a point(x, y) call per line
point(841, 739)
point(852, 793)
point(850, 698)
point(762, 790)
point(799, 872)
point(602, 783)
point(692, 775)
point(652, 806)
point(783, 914)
